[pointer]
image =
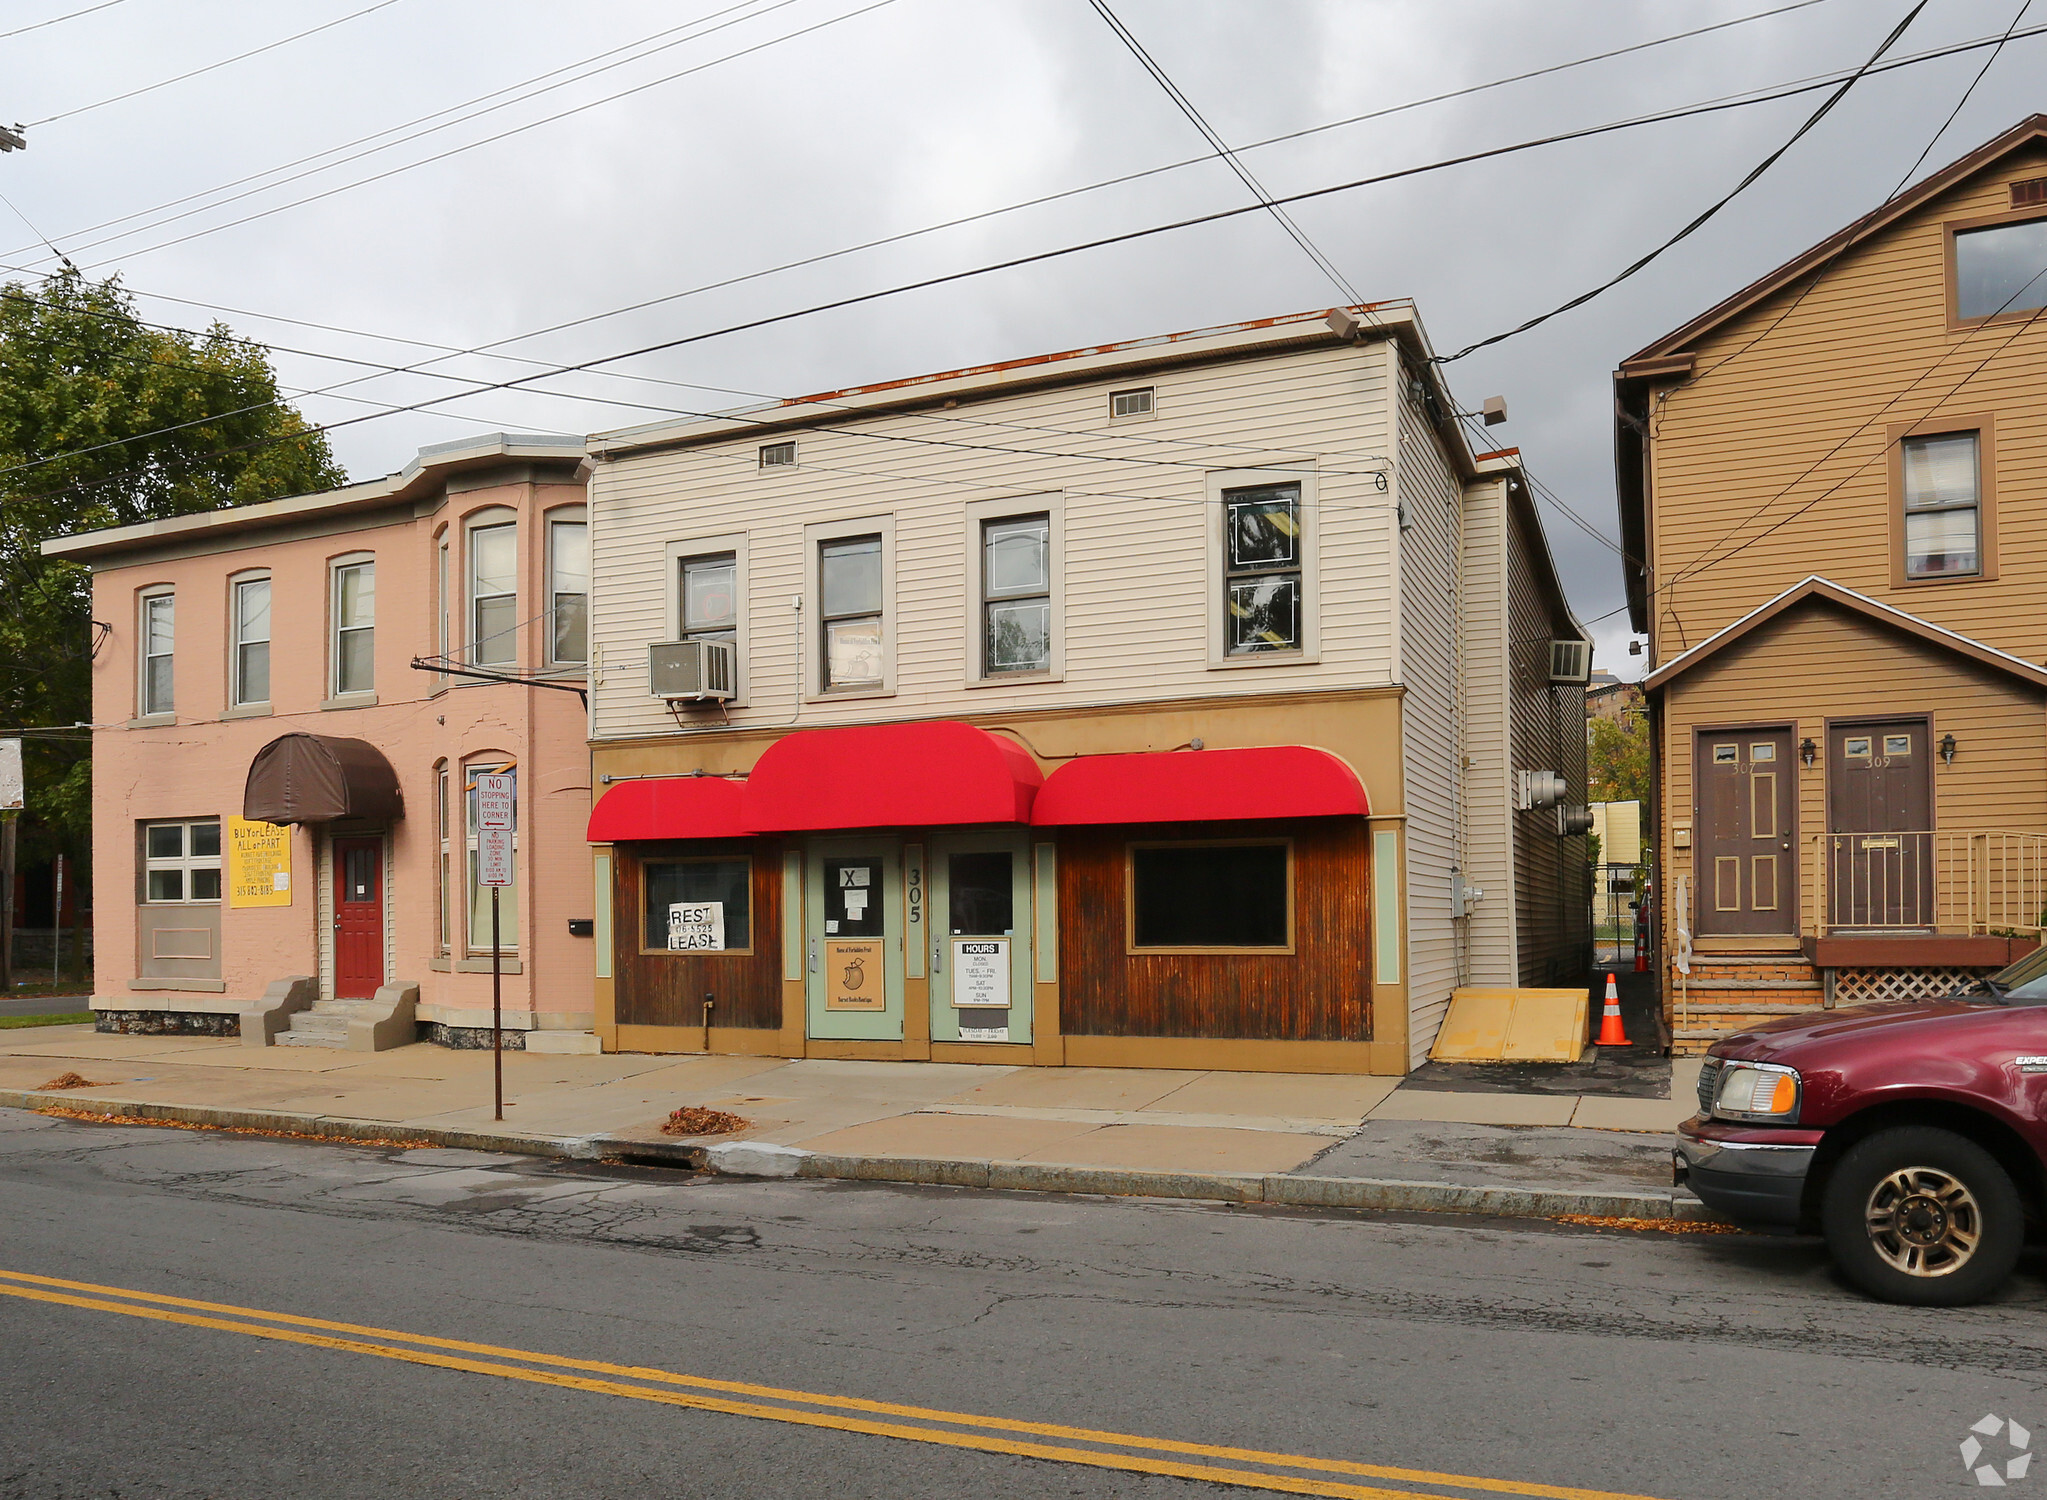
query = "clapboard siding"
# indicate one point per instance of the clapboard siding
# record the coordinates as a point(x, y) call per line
point(1432, 709)
point(1866, 346)
point(1488, 779)
point(1552, 879)
point(1316, 993)
point(1136, 577)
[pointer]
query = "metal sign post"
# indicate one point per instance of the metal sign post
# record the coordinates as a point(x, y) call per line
point(495, 801)
point(11, 801)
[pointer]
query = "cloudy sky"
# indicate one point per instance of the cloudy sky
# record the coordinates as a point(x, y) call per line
point(422, 177)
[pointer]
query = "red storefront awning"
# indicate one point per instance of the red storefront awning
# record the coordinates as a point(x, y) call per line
point(891, 776)
point(1199, 786)
point(670, 807)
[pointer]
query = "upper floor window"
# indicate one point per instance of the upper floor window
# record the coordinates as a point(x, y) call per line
point(1262, 569)
point(250, 668)
point(710, 597)
point(568, 572)
point(1943, 505)
point(2000, 268)
point(159, 635)
point(1016, 594)
point(494, 595)
point(850, 607)
point(1135, 402)
point(181, 861)
point(441, 595)
point(355, 619)
point(778, 456)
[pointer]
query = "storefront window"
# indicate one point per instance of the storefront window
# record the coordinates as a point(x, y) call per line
point(1210, 896)
point(714, 897)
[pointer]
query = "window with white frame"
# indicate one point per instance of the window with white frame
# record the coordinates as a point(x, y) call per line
point(442, 885)
point(1134, 402)
point(568, 575)
point(1262, 569)
point(778, 455)
point(441, 595)
point(249, 671)
point(1016, 594)
point(1943, 505)
point(850, 611)
point(709, 591)
point(494, 595)
point(159, 637)
point(479, 893)
point(181, 862)
point(354, 612)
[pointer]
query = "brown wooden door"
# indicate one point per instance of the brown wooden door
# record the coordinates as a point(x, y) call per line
point(1879, 823)
point(1747, 863)
point(358, 917)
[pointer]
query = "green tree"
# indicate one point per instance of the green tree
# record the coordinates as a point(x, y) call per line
point(106, 422)
point(1617, 759)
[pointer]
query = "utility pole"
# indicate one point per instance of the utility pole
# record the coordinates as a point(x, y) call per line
point(15, 139)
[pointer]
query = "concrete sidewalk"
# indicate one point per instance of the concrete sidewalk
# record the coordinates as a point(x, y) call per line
point(1246, 1137)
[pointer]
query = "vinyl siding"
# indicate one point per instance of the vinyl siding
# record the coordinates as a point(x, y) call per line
point(1138, 577)
point(1489, 777)
point(1868, 346)
point(1431, 717)
point(1818, 662)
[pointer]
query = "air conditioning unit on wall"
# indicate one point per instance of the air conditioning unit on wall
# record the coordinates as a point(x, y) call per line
point(1570, 661)
point(691, 671)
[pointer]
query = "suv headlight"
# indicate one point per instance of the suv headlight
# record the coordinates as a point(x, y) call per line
point(1760, 1091)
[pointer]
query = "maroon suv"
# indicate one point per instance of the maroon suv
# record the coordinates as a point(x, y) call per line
point(1913, 1136)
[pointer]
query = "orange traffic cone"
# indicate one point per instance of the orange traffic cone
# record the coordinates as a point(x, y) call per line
point(1611, 1033)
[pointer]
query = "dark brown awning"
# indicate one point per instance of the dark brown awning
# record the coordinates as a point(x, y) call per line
point(317, 778)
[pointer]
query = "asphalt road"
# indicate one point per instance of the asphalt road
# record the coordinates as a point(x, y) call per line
point(1678, 1367)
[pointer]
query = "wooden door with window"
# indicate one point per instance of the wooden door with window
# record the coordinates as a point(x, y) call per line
point(1746, 859)
point(358, 917)
point(1879, 824)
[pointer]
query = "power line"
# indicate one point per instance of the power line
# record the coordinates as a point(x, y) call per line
point(1755, 172)
point(162, 83)
point(55, 20)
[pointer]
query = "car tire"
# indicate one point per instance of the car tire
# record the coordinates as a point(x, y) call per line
point(1922, 1216)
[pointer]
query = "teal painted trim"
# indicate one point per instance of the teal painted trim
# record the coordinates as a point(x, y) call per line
point(603, 927)
point(1047, 874)
point(1385, 906)
point(792, 916)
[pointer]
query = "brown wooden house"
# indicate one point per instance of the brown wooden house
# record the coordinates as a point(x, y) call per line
point(1830, 497)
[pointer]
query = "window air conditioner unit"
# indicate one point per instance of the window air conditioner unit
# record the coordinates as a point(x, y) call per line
point(698, 671)
point(1570, 661)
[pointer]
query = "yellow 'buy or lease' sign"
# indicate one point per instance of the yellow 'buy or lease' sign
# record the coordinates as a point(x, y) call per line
point(258, 863)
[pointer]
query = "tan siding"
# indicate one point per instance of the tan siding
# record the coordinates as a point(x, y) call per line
point(1488, 782)
point(1552, 905)
point(1137, 591)
point(1868, 346)
point(1818, 662)
point(1430, 716)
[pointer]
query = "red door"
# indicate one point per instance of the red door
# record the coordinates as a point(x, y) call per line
point(358, 917)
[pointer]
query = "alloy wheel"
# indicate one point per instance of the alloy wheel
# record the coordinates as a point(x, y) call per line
point(1924, 1221)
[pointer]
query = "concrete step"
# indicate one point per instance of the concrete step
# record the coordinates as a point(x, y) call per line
point(312, 1039)
point(343, 1008)
point(313, 1023)
point(1744, 1008)
point(1713, 982)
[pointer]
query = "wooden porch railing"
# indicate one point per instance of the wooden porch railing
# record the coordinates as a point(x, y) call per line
point(1925, 882)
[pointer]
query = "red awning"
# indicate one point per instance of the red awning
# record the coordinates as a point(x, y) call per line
point(891, 776)
point(670, 807)
point(1201, 786)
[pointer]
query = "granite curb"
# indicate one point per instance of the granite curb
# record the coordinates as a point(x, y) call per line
point(746, 1159)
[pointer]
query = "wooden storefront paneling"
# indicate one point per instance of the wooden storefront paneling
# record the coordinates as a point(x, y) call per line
point(668, 989)
point(1319, 992)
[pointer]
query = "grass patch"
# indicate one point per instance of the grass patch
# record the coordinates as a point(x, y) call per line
point(75, 1018)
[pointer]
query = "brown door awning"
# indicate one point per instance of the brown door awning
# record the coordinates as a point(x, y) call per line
point(317, 778)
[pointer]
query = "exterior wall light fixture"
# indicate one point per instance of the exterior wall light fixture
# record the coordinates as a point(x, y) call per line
point(1947, 749)
point(1807, 751)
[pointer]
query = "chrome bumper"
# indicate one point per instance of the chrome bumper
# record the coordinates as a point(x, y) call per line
point(1756, 1181)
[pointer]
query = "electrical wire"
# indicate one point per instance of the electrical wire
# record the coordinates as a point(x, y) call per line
point(1699, 221)
point(56, 20)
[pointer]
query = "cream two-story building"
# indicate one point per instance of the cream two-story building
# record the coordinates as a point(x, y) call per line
point(1198, 701)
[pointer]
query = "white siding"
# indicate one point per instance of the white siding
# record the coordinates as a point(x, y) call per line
point(1430, 719)
point(1490, 937)
point(1138, 582)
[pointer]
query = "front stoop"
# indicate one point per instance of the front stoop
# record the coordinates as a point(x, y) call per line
point(373, 1025)
point(1730, 992)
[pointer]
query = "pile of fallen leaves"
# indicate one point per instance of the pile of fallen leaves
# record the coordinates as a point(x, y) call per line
point(67, 1081)
point(697, 1120)
point(112, 1117)
point(1653, 1226)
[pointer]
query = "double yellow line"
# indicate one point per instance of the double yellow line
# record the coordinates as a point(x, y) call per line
point(1286, 1473)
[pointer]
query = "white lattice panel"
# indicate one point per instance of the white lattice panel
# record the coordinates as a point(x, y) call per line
point(1871, 986)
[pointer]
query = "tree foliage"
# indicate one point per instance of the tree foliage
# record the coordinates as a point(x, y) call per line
point(106, 422)
point(1617, 759)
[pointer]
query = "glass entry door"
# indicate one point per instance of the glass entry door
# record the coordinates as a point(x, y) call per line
point(980, 938)
point(853, 948)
